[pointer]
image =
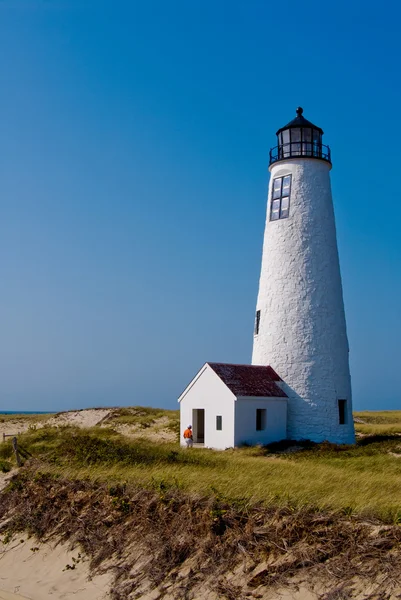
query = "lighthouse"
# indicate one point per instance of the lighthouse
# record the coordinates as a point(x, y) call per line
point(298, 385)
point(300, 328)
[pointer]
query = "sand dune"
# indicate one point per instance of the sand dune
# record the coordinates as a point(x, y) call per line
point(82, 418)
point(33, 571)
point(90, 417)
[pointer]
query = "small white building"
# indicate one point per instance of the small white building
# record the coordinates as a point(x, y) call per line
point(229, 405)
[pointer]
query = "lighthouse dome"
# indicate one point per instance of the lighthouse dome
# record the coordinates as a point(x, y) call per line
point(298, 138)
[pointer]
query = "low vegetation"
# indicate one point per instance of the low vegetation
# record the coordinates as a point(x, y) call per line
point(144, 417)
point(5, 466)
point(363, 479)
point(385, 422)
point(24, 418)
point(234, 522)
point(162, 529)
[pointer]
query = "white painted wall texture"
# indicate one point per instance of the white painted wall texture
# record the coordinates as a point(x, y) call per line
point(302, 332)
point(207, 391)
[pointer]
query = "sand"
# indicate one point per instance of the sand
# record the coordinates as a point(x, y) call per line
point(81, 418)
point(5, 477)
point(90, 417)
point(8, 596)
point(34, 571)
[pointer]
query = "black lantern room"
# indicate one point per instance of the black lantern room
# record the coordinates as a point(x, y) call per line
point(299, 138)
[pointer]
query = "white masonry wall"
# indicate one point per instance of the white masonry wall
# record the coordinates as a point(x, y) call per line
point(245, 420)
point(207, 391)
point(302, 332)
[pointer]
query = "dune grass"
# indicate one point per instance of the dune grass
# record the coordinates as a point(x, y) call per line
point(384, 422)
point(363, 479)
point(190, 544)
point(377, 429)
point(392, 417)
point(5, 466)
point(144, 417)
point(321, 506)
point(24, 418)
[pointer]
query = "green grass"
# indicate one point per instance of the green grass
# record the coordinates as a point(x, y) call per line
point(392, 417)
point(385, 422)
point(24, 418)
point(5, 466)
point(363, 479)
point(144, 417)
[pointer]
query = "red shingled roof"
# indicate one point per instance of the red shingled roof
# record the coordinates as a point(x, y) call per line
point(249, 380)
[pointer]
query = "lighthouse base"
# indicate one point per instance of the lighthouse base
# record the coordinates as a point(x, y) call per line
point(305, 420)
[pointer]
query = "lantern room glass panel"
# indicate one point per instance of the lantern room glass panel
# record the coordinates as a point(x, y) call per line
point(295, 141)
point(307, 142)
point(286, 142)
point(317, 143)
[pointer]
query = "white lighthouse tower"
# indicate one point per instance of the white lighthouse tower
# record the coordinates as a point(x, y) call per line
point(300, 327)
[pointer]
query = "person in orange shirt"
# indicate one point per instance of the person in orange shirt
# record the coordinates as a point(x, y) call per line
point(188, 437)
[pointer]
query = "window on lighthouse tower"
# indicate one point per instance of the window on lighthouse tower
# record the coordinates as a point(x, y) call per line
point(280, 201)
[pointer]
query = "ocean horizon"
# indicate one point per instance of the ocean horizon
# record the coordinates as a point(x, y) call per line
point(24, 412)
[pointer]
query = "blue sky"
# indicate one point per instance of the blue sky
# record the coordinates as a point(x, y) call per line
point(134, 148)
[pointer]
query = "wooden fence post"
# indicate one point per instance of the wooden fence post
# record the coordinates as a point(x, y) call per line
point(15, 448)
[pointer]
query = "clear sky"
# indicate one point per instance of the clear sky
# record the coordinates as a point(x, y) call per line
point(134, 148)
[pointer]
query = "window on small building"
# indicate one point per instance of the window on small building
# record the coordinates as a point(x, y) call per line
point(257, 322)
point(260, 419)
point(219, 423)
point(280, 201)
point(342, 413)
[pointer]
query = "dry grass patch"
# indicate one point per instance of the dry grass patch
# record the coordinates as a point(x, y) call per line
point(167, 529)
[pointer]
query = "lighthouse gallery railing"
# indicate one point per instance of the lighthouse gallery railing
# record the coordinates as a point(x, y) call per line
point(296, 149)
